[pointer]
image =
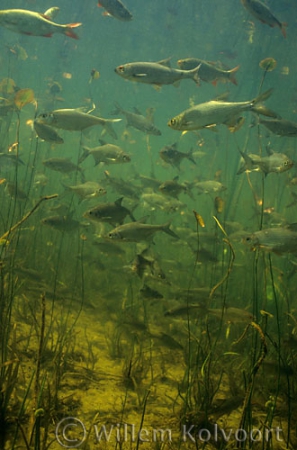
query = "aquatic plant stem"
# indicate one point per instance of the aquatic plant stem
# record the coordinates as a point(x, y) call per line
point(142, 418)
point(26, 216)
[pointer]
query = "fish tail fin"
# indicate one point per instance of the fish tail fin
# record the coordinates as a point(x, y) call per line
point(248, 163)
point(86, 153)
point(190, 156)
point(167, 230)
point(195, 74)
point(283, 29)
point(109, 128)
point(68, 31)
point(232, 73)
point(264, 96)
point(118, 109)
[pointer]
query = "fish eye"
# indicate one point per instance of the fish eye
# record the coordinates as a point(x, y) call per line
point(121, 69)
point(126, 158)
point(248, 239)
point(44, 115)
point(173, 122)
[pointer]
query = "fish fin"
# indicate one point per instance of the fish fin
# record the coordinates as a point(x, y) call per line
point(167, 230)
point(108, 127)
point(292, 226)
point(136, 110)
point(264, 96)
point(165, 62)
point(262, 109)
point(118, 202)
point(157, 87)
point(195, 73)
point(190, 156)
point(102, 142)
point(283, 29)
point(214, 83)
point(69, 32)
point(232, 75)
point(86, 153)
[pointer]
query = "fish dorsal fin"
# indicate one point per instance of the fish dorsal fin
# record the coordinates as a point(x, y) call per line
point(174, 146)
point(45, 16)
point(118, 202)
point(136, 110)
point(222, 97)
point(269, 150)
point(102, 142)
point(165, 62)
point(176, 178)
point(292, 226)
point(143, 219)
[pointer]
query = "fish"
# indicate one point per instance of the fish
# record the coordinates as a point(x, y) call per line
point(87, 190)
point(279, 240)
point(116, 9)
point(47, 133)
point(139, 231)
point(209, 71)
point(112, 213)
point(150, 293)
point(146, 265)
point(109, 248)
point(76, 120)
point(61, 222)
point(214, 112)
point(159, 201)
point(209, 186)
point(63, 165)
point(15, 191)
point(274, 162)
point(34, 23)
point(138, 121)
point(263, 13)
point(106, 153)
point(9, 161)
point(156, 73)
point(174, 189)
point(172, 156)
point(123, 187)
point(280, 127)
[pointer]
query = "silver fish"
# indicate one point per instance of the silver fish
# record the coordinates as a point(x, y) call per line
point(159, 201)
point(47, 133)
point(116, 9)
point(172, 156)
point(63, 165)
point(209, 186)
point(274, 162)
point(138, 121)
point(209, 72)
point(87, 190)
point(34, 23)
point(138, 232)
point(106, 153)
point(261, 11)
point(156, 73)
point(280, 127)
point(279, 240)
point(213, 113)
point(75, 120)
point(113, 213)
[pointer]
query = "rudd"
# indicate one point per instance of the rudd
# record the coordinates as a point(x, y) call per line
point(34, 23)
